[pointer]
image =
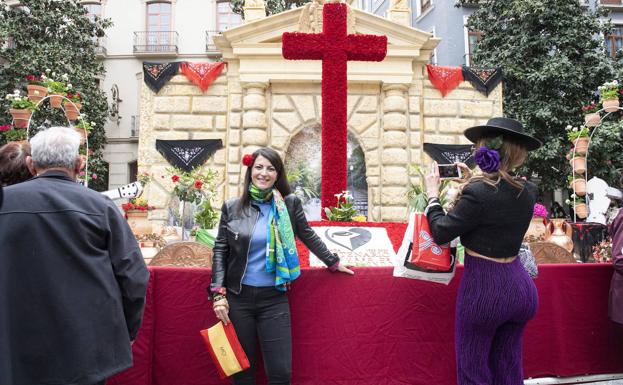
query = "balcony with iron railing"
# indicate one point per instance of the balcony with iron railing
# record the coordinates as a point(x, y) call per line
point(156, 43)
point(210, 46)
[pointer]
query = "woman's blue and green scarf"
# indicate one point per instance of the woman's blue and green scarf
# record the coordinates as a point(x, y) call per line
point(281, 255)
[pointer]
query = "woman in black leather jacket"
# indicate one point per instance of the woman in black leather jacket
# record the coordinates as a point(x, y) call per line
point(496, 297)
point(255, 260)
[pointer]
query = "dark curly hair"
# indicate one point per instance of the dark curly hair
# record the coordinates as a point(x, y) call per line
point(13, 167)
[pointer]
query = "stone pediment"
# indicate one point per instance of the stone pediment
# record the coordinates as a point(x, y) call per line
point(257, 47)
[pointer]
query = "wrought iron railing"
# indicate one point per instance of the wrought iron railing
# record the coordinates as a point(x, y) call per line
point(155, 42)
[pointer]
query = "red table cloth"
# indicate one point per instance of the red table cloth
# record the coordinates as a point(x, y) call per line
point(375, 329)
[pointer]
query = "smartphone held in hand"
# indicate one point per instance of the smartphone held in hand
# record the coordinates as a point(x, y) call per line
point(449, 171)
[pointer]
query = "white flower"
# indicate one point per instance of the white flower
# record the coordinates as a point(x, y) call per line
point(92, 124)
point(573, 195)
point(53, 74)
point(65, 77)
point(567, 201)
point(47, 70)
point(568, 127)
point(575, 129)
point(69, 86)
point(338, 196)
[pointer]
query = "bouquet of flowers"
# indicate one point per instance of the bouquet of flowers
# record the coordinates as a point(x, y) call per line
point(602, 252)
point(345, 210)
point(193, 186)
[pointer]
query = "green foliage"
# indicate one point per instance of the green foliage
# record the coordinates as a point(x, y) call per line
point(574, 133)
point(604, 154)
point(59, 37)
point(207, 217)
point(21, 103)
point(14, 135)
point(345, 209)
point(553, 57)
point(272, 6)
point(609, 91)
point(303, 181)
point(193, 186)
point(416, 194)
point(357, 169)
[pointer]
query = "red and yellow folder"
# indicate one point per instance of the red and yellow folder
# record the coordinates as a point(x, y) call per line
point(225, 349)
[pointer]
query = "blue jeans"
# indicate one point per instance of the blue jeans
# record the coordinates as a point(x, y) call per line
point(263, 314)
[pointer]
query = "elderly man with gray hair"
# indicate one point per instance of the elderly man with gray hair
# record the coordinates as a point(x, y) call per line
point(72, 278)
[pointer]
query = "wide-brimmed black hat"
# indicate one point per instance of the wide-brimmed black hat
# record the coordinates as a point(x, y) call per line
point(503, 126)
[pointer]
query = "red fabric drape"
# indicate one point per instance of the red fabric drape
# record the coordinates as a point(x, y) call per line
point(445, 79)
point(202, 74)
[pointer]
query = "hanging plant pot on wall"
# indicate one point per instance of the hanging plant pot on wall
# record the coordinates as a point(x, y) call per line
point(578, 164)
point(591, 120)
point(581, 145)
point(610, 105)
point(72, 110)
point(56, 100)
point(36, 93)
point(581, 210)
point(20, 117)
point(579, 186)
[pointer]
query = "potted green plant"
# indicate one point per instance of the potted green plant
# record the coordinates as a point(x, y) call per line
point(21, 109)
point(84, 127)
point(579, 136)
point(577, 162)
point(577, 184)
point(136, 211)
point(579, 206)
point(36, 87)
point(56, 89)
point(73, 105)
point(609, 95)
point(344, 210)
point(591, 114)
point(11, 134)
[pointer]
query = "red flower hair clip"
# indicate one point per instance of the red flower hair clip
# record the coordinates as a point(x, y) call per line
point(247, 160)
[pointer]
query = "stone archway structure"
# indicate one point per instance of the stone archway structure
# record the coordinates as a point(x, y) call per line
point(263, 100)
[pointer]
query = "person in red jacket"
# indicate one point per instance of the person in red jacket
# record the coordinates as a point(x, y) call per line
point(615, 303)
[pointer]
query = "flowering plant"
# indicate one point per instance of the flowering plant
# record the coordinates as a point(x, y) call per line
point(247, 160)
point(539, 211)
point(35, 80)
point(345, 209)
point(137, 204)
point(488, 160)
point(193, 186)
point(12, 134)
point(575, 200)
point(590, 107)
point(57, 87)
point(75, 97)
point(5, 127)
point(84, 125)
point(609, 90)
point(574, 133)
point(602, 252)
point(20, 102)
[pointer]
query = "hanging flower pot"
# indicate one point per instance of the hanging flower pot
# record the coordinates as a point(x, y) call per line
point(20, 117)
point(72, 110)
point(578, 186)
point(36, 93)
point(591, 120)
point(578, 164)
point(581, 210)
point(581, 145)
point(611, 105)
point(56, 100)
point(83, 135)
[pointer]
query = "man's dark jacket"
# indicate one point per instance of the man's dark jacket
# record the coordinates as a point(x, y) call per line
point(72, 284)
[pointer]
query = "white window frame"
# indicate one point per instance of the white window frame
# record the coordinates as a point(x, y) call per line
point(435, 50)
point(418, 7)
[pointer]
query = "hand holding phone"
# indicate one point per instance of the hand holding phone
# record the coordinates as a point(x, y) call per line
point(449, 171)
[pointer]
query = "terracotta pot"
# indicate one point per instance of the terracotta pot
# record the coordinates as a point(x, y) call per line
point(578, 164)
point(581, 145)
point(137, 219)
point(83, 134)
point(537, 230)
point(578, 186)
point(56, 100)
point(72, 110)
point(20, 117)
point(581, 210)
point(83, 160)
point(559, 232)
point(592, 119)
point(610, 105)
point(36, 93)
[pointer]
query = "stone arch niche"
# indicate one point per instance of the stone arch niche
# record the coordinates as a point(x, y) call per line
point(303, 164)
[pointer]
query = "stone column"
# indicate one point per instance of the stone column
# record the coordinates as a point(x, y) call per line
point(395, 154)
point(254, 122)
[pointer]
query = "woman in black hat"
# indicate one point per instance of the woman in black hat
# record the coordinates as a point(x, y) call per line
point(496, 297)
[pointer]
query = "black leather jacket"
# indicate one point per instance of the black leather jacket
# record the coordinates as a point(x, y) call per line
point(231, 249)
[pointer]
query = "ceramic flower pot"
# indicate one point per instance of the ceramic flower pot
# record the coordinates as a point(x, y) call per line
point(592, 119)
point(56, 100)
point(578, 186)
point(20, 117)
point(137, 219)
point(581, 210)
point(559, 232)
point(83, 134)
point(537, 230)
point(578, 164)
point(581, 145)
point(72, 110)
point(36, 93)
point(610, 105)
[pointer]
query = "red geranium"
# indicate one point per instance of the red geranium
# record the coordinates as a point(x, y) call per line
point(6, 127)
point(198, 184)
point(247, 160)
point(175, 178)
point(75, 97)
point(36, 80)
